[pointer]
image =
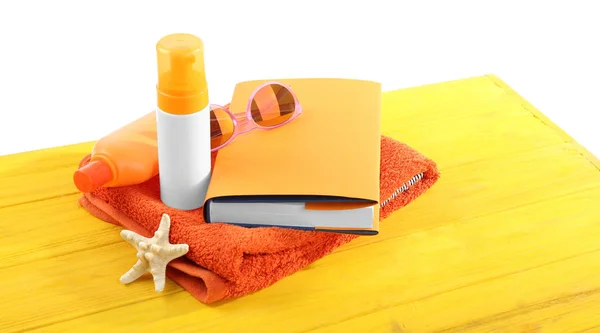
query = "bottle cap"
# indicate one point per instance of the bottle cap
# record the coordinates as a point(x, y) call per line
point(182, 87)
point(92, 175)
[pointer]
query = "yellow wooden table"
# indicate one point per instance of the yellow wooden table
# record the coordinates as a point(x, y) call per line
point(507, 241)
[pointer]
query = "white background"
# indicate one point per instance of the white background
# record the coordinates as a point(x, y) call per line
point(72, 71)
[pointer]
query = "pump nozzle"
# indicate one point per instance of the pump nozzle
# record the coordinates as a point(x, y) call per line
point(182, 87)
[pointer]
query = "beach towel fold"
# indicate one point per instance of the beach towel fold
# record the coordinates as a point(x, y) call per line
point(226, 261)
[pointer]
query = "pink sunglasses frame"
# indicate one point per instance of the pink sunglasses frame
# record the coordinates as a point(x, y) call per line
point(243, 122)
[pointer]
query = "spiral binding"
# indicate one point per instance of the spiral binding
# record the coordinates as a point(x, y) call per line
point(402, 189)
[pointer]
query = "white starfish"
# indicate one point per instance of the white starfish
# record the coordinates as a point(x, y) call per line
point(153, 254)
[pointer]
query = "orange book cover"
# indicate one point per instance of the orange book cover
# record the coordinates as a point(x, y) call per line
point(328, 158)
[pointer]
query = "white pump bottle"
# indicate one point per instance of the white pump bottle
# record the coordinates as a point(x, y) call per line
point(183, 122)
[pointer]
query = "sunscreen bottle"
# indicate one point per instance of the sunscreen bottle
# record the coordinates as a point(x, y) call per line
point(124, 157)
point(182, 122)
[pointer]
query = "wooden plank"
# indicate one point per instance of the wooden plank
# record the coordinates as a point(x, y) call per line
point(563, 296)
point(50, 228)
point(446, 100)
point(75, 284)
point(466, 120)
point(571, 313)
point(400, 271)
point(477, 138)
point(491, 186)
point(39, 174)
point(544, 119)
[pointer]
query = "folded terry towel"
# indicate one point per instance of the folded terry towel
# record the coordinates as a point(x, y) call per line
point(226, 261)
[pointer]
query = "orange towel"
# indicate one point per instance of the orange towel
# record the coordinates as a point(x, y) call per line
point(226, 261)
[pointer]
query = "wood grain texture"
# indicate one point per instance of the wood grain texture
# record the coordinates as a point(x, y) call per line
point(507, 241)
point(40, 174)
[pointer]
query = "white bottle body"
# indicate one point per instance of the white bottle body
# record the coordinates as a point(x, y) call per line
point(184, 158)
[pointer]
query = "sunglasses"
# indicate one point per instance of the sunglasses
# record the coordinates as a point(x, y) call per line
point(271, 105)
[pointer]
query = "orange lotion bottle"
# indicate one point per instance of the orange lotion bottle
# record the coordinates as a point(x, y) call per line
point(127, 156)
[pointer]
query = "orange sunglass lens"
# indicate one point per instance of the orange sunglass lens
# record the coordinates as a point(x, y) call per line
point(272, 105)
point(221, 127)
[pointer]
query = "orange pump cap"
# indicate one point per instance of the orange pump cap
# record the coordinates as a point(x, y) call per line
point(182, 87)
point(92, 176)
